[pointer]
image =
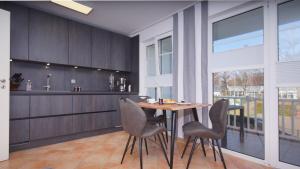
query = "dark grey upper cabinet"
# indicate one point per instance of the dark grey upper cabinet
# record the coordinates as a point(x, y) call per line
point(120, 53)
point(19, 106)
point(50, 105)
point(18, 31)
point(101, 41)
point(80, 44)
point(48, 38)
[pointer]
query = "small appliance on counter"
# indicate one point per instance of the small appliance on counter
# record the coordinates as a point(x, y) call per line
point(28, 85)
point(122, 85)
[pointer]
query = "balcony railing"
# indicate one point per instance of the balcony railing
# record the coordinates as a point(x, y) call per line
point(289, 118)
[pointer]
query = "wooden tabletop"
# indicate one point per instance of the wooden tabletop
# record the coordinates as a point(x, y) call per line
point(172, 107)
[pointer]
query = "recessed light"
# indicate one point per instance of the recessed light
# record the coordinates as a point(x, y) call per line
point(75, 67)
point(48, 64)
point(74, 6)
point(117, 71)
point(10, 60)
point(99, 69)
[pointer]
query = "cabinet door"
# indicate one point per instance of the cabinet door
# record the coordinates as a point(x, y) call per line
point(48, 38)
point(50, 127)
point(18, 31)
point(103, 120)
point(19, 106)
point(101, 40)
point(84, 103)
point(79, 44)
point(50, 105)
point(83, 122)
point(120, 52)
point(18, 131)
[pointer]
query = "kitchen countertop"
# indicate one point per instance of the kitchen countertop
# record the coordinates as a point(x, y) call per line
point(41, 92)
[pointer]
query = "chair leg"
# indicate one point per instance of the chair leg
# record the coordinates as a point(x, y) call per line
point(213, 147)
point(163, 149)
point(203, 148)
point(166, 125)
point(141, 152)
point(132, 146)
point(221, 154)
point(163, 138)
point(146, 146)
point(186, 144)
point(192, 152)
point(126, 148)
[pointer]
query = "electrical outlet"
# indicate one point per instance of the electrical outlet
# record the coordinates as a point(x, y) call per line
point(73, 81)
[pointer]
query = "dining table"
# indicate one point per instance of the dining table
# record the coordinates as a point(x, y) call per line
point(174, 108)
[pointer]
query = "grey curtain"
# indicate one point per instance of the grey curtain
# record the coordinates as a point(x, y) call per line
point(175, 57)
point(204, 59)
point(189, 59)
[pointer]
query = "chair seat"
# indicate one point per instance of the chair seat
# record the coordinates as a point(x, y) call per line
point(195, 128)
point(151, 130)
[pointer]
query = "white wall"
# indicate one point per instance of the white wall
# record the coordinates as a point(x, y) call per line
point(4, 74)
point(215, 7)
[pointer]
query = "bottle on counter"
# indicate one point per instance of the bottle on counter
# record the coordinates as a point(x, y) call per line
point(28, 85)
point(129, 88)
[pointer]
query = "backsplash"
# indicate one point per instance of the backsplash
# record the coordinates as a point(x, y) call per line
point(87, 79)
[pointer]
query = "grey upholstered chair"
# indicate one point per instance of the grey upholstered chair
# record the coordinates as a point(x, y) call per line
point(218, 117)
point(134, 122)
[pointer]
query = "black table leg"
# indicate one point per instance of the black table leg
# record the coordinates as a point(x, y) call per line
point(165, 117)
point(242, 125)
point(195, 114)
point(173, 136)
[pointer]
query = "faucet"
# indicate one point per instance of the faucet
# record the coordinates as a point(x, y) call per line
point(48, 87)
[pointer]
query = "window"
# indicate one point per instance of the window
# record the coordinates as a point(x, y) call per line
point(289, 31)
point(158, 79)
point(243, 88)
point(289, 125)
point(166, 92)
point(151, 65)
point(239, 31)
point(152, 92)
point(165, 55)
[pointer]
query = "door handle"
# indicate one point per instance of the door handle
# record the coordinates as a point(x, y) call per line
point(2, 80)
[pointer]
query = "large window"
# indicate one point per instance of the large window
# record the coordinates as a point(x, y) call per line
point(243, 88)
point(239, 31)
point(158, 79)
point(289, 30)
point(165, 55)
point(151, 69)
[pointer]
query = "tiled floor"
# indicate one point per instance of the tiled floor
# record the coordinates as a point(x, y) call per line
point(105, 151)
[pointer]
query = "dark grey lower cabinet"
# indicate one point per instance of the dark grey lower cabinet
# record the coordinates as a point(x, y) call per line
point(18, 131)
point(94, 121)
point(41, 128)
point(116, 118)
point(19, 106)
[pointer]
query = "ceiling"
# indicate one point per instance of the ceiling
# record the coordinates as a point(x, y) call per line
point(125, 17)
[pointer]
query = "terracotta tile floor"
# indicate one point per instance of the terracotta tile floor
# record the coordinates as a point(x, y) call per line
point(105, 152)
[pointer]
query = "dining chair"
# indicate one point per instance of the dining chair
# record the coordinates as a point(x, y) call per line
point(218, 117)
point(135, 123)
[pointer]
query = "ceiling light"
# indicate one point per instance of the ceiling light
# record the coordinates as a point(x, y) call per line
point(73, 5)
point(75, 67)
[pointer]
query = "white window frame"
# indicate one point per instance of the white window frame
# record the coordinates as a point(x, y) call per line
point(160, 80)
point(270, 53)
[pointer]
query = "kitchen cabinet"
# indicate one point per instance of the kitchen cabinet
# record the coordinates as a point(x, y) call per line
point(18, 31)
point(48, 38)
point(18, 131)
point(120, 53)
point(101, 41)
point(80, 44)
point(50, 105)
point(83, 122)
point(93, 103)
point(41, 128)
point(19, 107)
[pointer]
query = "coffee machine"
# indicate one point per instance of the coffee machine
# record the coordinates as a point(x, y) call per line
point(122, 85)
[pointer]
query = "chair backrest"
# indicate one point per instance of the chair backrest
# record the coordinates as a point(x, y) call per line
point(218, 116)
point(133, 117)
